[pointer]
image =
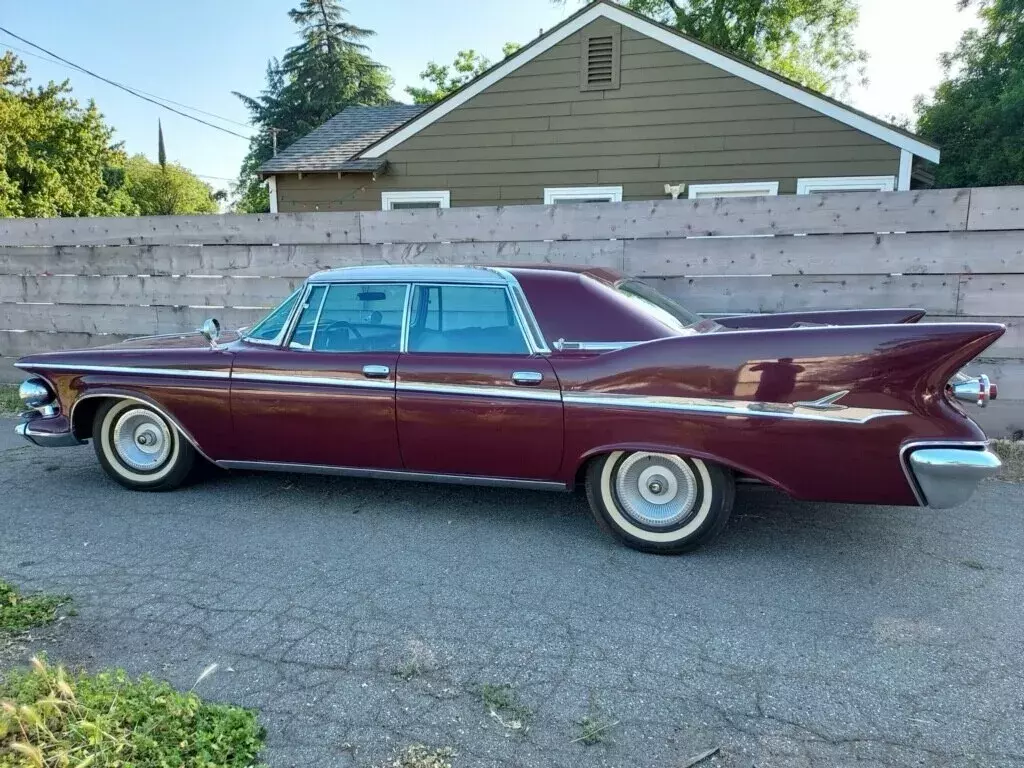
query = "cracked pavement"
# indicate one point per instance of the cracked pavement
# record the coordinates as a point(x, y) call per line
point(807, 635)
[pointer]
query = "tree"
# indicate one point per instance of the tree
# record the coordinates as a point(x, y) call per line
point(976, 114)
point(161, 152)
point(810, 41)
point(167, 190)
point(468, 64)
point(56, 157)
point(327, 71)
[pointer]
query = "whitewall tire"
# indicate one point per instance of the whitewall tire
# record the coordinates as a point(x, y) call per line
point(139, 448)
point(659, 502)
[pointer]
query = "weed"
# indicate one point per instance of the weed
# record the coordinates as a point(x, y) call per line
point(10, 403)
point(419, 661)
point(594, 726)
point(51, 718)
point(501, 701)
point(1012, 454)
point(419, 756)
point(19, 613)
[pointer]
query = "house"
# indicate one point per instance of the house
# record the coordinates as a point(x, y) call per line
point(606, 106)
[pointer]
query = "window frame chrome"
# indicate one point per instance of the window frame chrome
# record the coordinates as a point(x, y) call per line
point(285, 332)
point(328, 286)
point(531, 327)
point(292, 344)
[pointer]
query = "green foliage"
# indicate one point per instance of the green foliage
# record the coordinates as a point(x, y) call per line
point(10, 403)
point(976, 115)
point(161, 152)
point(19, 613)
point(56, 157)
point(327, 71)
point(810, 41)
point(168, 190)
point(50, 718)
point(444, 79)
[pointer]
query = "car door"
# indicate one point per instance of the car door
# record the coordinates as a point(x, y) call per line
point(327, 396)
point(472, 399)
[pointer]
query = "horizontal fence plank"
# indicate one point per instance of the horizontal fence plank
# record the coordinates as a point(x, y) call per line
point(168, 291)
point(933, 293)
point(914, 253)
point(991, 294)
point(261, 229)
point(96, 318)
point(298, 261)
point(867, 212)
point(17, 344)
point(996, 208)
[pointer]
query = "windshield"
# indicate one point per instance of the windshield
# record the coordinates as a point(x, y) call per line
point(270, 328)
point(660, 307)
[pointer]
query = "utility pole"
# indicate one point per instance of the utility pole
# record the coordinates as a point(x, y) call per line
point(273, 137)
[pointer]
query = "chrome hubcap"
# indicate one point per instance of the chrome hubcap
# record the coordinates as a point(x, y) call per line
point(142, 440)
point(656, 489)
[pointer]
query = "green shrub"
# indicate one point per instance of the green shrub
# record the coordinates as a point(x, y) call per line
point(18, 612)
point(50, 719)
point(10, 403)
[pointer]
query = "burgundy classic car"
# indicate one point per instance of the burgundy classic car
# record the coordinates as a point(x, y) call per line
point(540, 378)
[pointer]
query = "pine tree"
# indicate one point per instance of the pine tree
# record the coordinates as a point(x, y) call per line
point(161, 153)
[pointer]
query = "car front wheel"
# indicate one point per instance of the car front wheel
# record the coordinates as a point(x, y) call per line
point(659, 502)
point(139, 448)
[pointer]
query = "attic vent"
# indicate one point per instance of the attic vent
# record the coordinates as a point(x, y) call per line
point(599, 68)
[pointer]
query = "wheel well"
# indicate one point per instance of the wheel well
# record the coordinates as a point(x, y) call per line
point(84, 415)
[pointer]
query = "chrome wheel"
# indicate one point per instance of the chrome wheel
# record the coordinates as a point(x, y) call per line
point(142, 440)
point(657, 490)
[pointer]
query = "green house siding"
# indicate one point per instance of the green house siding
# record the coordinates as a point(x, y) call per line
point(673, 119)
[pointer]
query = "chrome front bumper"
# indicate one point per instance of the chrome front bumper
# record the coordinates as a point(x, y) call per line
point(46, 439)
point(947, 476)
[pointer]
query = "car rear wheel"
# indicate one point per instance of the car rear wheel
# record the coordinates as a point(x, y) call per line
point(139, 448)
point(659, 502)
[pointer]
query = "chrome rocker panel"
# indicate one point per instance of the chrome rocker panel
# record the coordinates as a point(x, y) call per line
point(945, 476)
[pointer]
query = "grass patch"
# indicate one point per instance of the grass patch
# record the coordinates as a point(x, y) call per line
point(419, 660)
point(1012, 454)
point(419, 756)
point(501, 701)
point(19, 613)
point(594, 727)
point(50, 718)
point(10, 403)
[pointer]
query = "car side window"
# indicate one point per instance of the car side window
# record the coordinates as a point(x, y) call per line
point(308, 314)
point(359, 317)
point(269, 328)
point(467, 319)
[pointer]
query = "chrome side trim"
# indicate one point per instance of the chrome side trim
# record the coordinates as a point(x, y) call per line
point(145, 401)
point(906, 448)
point(328, 381)
point(595, 346)
point(841, 414)
point(47, 439)
point(826, 403)
point(514, 393)
point(395, 474)
point(87, 368)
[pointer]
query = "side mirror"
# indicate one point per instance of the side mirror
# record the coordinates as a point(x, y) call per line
point(211, 331)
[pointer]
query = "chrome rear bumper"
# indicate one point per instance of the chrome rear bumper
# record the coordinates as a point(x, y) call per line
point(46, 439)
point(946, 476)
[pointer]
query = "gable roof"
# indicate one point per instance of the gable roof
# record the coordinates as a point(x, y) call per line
point(334, 146)
point(674, 39)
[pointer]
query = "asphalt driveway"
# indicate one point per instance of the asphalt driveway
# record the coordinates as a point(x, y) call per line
point(362, 616)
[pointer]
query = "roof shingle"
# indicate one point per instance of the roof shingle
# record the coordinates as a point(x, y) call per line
point(332, 146)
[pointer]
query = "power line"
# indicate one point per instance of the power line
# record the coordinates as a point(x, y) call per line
point(137, 94)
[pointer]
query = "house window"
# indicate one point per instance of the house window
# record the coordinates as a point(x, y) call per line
point(734, 189)
point(554, 195)
point(398, 201)
point(846, 184)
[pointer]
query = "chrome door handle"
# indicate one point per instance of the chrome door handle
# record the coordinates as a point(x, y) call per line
point(527, 378)
point(376, 371)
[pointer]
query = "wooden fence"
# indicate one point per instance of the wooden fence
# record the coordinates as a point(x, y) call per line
point(959, 254)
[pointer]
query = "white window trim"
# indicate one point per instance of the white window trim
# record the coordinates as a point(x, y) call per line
point(272, 189)
point(753, 188)
point(555, 194)
point(846, 183)
point(441, 196)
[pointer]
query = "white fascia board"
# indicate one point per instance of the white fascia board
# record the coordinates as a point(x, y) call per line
point(673, 40)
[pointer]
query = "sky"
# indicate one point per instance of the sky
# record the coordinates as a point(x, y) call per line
point(197, 52)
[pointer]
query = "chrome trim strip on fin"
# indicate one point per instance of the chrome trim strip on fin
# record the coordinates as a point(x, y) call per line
point(395, 474)
point(596, 346)
point(840, 414)
point(512, 392)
